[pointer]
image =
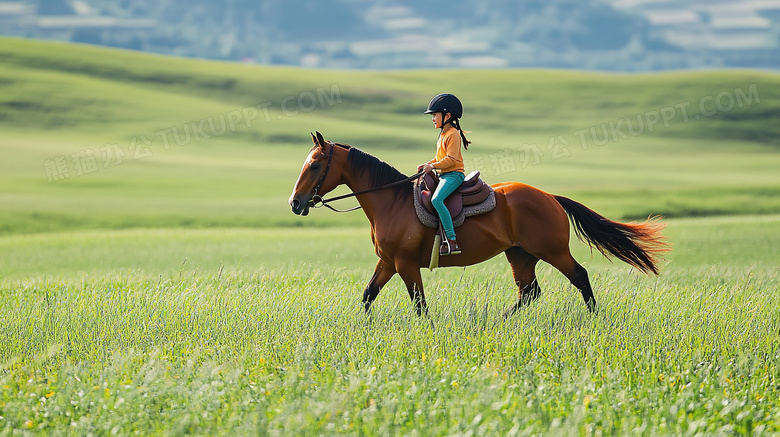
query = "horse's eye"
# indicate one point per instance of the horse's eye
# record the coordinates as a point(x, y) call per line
point(314, 166)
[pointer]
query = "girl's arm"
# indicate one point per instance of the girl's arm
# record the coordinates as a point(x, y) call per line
point(445, 163)
point(452, 150)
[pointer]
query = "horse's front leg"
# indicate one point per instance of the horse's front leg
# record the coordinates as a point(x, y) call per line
point(411, 276)
point(382, 274)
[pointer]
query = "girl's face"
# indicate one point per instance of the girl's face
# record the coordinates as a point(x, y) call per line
point(438, 119)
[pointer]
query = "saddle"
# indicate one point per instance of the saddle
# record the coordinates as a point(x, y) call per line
point(473, 197)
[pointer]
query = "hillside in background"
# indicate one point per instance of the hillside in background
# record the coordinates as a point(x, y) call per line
point(103, 138)
point(614, 35)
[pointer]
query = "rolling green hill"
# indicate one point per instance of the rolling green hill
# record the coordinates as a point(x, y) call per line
point(99, 138)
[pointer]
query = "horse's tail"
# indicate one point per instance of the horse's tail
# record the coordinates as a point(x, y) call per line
point(638, 244)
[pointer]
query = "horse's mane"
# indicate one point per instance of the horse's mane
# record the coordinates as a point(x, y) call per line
point(379, 172)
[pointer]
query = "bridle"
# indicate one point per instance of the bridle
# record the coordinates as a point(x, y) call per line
point(318, 202)
point(313, 201)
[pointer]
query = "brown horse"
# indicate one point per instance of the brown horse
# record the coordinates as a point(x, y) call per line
point(527, 225)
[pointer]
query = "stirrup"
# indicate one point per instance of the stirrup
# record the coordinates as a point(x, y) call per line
point(447, 248)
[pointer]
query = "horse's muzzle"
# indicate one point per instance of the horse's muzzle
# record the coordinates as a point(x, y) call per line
point(299, 207)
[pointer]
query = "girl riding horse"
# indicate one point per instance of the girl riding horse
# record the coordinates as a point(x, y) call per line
point(447, 111)
point(527, 225)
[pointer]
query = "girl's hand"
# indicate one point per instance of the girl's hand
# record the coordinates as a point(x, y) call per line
point(425, 167)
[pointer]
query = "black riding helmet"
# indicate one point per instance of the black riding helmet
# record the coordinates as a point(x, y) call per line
point(446, 103)
point(449, 103)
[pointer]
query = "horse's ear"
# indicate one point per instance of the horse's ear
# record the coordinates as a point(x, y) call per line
point(320, 140)
point(313, 138)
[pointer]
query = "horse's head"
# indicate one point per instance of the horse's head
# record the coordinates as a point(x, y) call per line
point(320, 174)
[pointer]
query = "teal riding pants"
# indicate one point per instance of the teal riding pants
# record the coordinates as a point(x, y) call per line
point(448, 183)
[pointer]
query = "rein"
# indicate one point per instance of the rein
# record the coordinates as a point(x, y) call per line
point(318, 202)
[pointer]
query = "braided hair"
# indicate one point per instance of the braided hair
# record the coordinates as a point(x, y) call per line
point(456, 124)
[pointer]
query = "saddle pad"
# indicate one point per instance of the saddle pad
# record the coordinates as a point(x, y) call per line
point(432, 221)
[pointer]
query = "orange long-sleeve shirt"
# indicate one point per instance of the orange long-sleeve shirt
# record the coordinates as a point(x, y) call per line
point(448, 154)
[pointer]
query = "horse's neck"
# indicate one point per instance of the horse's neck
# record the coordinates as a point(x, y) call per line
point(376, 204)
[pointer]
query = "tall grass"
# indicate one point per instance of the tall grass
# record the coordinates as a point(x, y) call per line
point(291, 351)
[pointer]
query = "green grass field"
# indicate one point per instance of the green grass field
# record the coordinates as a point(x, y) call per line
point(111, 331)
point(161, 286)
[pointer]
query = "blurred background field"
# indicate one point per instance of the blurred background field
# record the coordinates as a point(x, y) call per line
point(704, 244)
point(88, 137)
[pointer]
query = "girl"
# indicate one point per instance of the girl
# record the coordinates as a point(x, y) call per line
point(447, 110)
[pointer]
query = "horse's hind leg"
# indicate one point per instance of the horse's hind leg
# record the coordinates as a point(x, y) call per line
point(577, 275)
point(524, 272)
